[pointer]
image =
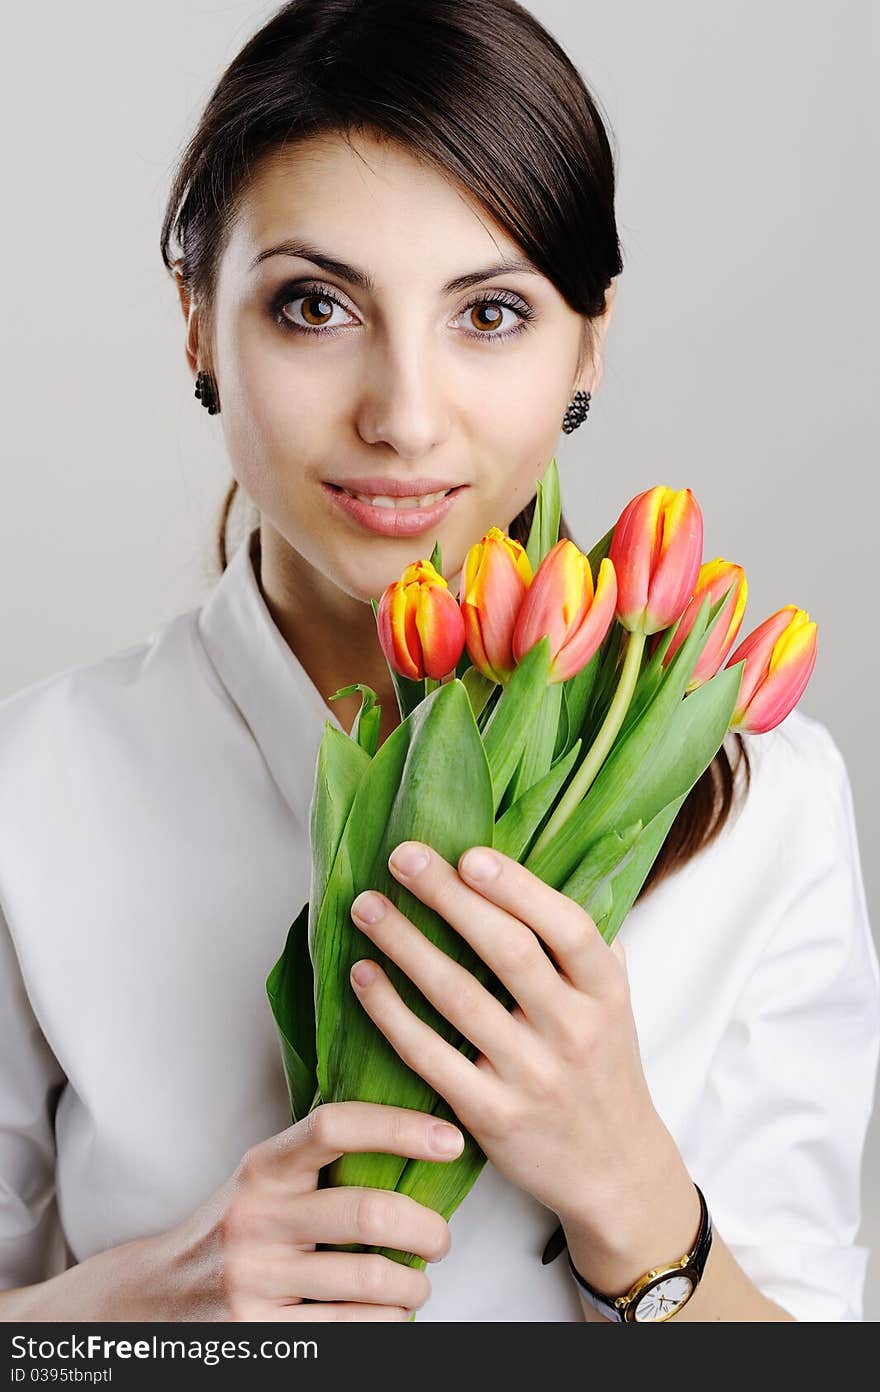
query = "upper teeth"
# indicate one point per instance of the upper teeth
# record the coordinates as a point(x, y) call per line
point(380, 500)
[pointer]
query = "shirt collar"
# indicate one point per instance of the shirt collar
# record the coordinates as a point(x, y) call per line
point(277, 698)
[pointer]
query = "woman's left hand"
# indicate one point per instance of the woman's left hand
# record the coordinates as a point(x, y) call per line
point(557, 1097)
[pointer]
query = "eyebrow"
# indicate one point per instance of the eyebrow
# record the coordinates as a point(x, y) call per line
point(355, 276)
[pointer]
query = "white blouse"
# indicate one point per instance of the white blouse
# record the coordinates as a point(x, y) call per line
point(153, 853)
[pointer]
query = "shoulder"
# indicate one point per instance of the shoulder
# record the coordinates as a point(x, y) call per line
point(799, 746)
point(85, 715)
point(799, 790)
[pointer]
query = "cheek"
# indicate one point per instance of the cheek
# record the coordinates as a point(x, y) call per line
point(274, 422)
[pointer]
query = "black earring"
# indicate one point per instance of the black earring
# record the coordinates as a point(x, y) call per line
point(576, 413)
point(206, 392)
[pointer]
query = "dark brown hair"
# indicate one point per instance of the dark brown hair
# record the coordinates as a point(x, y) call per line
point(483, 91)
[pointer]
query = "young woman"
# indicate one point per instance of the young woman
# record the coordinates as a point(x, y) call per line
point(397, 264)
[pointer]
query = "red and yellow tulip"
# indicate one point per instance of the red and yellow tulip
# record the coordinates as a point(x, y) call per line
point(420, 626)
point(656, 550)
point(495, 578)
point(780, 655)
point(561, 603)
point(714, 579)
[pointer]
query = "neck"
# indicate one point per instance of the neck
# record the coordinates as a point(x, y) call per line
point(332, 634)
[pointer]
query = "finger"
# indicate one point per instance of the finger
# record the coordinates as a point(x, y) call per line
point(367, 1277)
point(568, 930)
point(505, 942)
point(375, 1217)
point(443, 1067)
point(336, 1128)
point(340, 1313)
point(457, 994)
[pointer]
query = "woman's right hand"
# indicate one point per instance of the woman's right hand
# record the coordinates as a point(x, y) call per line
point(248, 1253)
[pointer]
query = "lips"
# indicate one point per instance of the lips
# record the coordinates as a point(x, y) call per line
point(402, 516)
point(404, 501)
point(385, 485)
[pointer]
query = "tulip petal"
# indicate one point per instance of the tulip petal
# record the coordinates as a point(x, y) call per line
point(678, 558)
point(440, 629)
point(391, 623)
point(757, 649)
point(494, 592)
point(715, 578)
point(656, 550)
point(791, 666)
point(556, 601)
point(633, 547)
point(591, 633)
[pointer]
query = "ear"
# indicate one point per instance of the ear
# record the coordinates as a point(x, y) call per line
point(593, 368)
point(190, 314)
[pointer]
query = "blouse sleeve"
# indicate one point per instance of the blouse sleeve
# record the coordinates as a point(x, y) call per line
point(782, 1122)
point(30, 1082)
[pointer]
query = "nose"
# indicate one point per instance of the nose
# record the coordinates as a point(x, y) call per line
point(403, 401)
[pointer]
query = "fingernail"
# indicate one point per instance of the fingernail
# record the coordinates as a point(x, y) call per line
point(409, 858)
point(362, 973)
point(368, 907)
point(446, 1139)
point(478, 864)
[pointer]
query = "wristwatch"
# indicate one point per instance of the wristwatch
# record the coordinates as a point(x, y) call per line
point(661, 1293)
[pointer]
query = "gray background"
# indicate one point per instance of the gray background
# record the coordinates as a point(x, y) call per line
point(740, 359)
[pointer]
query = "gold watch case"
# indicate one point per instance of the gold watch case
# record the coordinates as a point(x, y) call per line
point(640, 1305)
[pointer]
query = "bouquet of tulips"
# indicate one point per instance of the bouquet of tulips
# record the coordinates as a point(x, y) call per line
point(560, 719)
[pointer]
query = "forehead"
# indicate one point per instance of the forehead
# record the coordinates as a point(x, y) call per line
point(372, 201)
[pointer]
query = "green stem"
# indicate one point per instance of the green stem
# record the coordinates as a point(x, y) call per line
point(431, 684)
point(597, 752)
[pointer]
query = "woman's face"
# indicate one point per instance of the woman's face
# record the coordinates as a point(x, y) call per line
point(322, 378)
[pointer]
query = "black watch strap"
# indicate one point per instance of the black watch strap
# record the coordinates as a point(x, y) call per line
point(607, 1305)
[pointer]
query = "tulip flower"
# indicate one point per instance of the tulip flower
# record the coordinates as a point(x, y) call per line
point(562, 604)
point(714, 579)
point(419, 623)
point(656, 551)
point(780, 656)
point(496, 575)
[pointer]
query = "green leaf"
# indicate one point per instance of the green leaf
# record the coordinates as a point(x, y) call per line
point(429, 781)
point(604, 684)
point(478, 688)
point(340, 767)
point(437, 558)
point(537, 754)
point(604, 857)
point(653, 673)
point(562, 727)
point(512, 722)
point(625, 886)
point(439, 1185)
point(289, 987)
point(517, 827)
point(599, 552)
point(692, 738)
point(544, 531)
point(367, 723)
point(576, 693)
point(614, 798)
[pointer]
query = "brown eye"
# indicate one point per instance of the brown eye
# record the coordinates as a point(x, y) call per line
point(323, 312)
point(487, 316)
point(306, 309)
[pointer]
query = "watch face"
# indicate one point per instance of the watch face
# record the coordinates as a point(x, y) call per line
point(664, 1298)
